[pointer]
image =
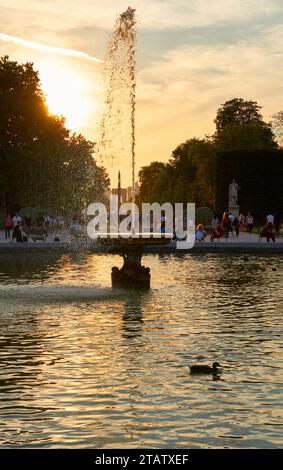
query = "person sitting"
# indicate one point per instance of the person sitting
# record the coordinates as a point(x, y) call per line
point(200, 233)
point(217, 233)
point(19, 234)
point(214, 222)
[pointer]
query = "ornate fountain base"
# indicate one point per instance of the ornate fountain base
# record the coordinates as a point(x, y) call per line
point(132, 273)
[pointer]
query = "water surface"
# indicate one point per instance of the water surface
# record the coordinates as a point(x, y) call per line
point(86, 366)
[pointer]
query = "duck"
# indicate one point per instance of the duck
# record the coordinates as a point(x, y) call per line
point(205, 369)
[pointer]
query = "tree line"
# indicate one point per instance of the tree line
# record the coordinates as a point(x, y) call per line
point(42, 164)
point(198, 172)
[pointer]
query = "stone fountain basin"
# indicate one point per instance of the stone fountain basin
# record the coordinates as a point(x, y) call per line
point(139, 239)
point(132, 274)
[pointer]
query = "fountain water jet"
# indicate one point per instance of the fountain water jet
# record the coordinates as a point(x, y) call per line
point(118, 141)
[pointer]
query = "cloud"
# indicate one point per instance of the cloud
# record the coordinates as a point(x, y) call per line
point(195, 55)
point(178, 95)
point(151, 14)
point(48, 49)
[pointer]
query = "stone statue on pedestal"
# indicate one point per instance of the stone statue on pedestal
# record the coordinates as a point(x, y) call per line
point(233, 194)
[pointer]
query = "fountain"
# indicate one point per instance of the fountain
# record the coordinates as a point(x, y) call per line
point(118, 142)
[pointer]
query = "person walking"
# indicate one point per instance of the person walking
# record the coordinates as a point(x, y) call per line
point(242, 220)
point(250, 222)
point(8, 224)
point(226, 223)
point(270, 235)
point(236, 225)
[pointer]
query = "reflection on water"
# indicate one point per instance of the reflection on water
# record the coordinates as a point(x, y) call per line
point(83, 365)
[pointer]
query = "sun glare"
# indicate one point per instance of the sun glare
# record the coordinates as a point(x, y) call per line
point(67, 94)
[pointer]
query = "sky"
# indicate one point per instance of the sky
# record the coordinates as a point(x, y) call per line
point(192, 56)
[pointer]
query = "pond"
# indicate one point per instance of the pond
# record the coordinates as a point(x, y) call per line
point(87, 366)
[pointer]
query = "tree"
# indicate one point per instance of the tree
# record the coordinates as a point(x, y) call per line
point(246, 137)
point(188, 177)
point(259, 174)
point(148, 176)
point(41, 163)
point(277, 125)
point(193, 162)
point(240, 125)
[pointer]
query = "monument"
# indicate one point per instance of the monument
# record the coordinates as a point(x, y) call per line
point(233, 206)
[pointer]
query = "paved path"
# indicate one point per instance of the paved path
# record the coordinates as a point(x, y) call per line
point(244, 243)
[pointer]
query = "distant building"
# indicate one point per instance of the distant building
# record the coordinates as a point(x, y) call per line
point(129, 191)
point(124, 194)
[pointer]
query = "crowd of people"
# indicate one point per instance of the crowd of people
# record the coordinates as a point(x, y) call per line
point(21, 228)
point(229, 224)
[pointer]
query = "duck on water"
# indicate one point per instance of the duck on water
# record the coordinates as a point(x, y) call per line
point(205, 369)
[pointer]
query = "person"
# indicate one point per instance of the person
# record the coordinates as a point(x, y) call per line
point(16, 219)
point(250, 222)
point(19, 234)
point(214, 222)
point(242, 220)
point(200, 233)
point(231, 223)
point(226, 224)
point(270, 219)
point(270, 235)
point(8, 224)
point(217, 232)
point(163, 222)
point(267, 231)
point(236, 225)
point(23, 233)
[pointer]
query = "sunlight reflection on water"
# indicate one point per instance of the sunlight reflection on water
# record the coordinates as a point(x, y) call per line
point(83, 365)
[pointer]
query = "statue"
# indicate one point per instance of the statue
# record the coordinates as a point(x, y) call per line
point(233, 193)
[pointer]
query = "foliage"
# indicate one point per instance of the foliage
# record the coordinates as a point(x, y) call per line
point(198, 172)
point(259, 174)
point(277, 124)
point(240, 125)
point(237, 111)
point(41, 163)
point(204, 215)
point(188, 177)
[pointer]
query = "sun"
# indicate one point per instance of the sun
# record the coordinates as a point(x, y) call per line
point(67, 94)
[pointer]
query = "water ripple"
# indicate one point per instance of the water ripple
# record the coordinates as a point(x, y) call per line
point(82, 365)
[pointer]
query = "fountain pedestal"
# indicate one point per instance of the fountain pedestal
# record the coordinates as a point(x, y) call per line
point(132, 274)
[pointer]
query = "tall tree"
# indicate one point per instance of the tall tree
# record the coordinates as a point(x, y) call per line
point(188, 177)
point(41, 163)
point(240, 125)
point(277, 124)
point(194, 164)
point(148, 177)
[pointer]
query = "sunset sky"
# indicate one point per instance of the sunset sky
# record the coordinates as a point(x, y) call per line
point(192, 56)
